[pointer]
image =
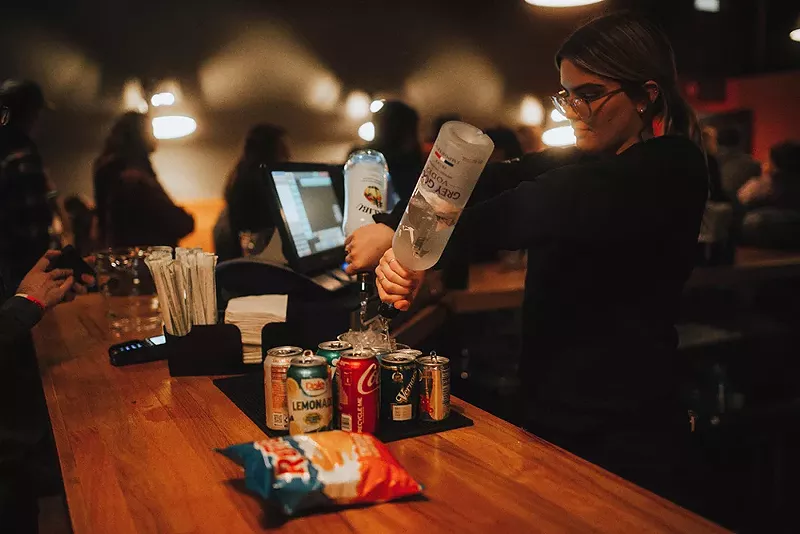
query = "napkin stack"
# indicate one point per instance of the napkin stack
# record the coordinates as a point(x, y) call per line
point(250, 314)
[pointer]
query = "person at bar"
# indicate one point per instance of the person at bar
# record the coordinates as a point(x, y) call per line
point(132, 206)
point(247, 195)
point(396, 137)
point(23, 415)
point(610, 228)
point(29, 202)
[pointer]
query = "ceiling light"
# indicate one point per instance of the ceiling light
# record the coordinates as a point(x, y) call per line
point(556, 116)
point(162, 99)
point(562, 3)
point(357, 105)
point(559, 136)
point(376, 106)
point(710, 6)
point(531, 111)
point(173, 126)
point(367, 131)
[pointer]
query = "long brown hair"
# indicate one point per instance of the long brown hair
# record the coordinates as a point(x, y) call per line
point(632, 50)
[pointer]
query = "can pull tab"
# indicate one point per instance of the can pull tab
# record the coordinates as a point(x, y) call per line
point(307, 355)
point(434, 357)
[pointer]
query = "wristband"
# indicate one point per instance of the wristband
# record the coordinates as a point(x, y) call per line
point(32, 299)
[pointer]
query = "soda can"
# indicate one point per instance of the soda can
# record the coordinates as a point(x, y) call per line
point(359, 391)
point(434, 387)
point(276, 364)
point(330, 350)
point(309, 395)
point(399, 387)
point(413, 352)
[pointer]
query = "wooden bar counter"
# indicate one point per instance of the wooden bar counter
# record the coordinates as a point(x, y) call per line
point(137, 456)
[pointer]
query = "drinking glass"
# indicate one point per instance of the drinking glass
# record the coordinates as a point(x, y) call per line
point(129, 292)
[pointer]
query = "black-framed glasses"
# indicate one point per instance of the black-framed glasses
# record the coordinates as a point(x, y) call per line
point(580, 105)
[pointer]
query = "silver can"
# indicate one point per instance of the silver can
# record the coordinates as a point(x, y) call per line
point(276, 364)
point(412, 352)
point(434, 384)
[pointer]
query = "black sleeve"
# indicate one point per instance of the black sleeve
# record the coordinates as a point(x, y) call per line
point(499, 177)
point(583, 202)
point(17, 317)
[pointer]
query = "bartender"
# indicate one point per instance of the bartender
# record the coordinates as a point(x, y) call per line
point(610, 228)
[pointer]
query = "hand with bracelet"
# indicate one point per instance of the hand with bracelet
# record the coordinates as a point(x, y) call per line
point(48, 288)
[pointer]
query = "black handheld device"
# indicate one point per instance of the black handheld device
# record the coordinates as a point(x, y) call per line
point(70, 259)
point(137, 351)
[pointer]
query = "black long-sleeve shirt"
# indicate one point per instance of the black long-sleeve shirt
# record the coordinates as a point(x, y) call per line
point(611, 242)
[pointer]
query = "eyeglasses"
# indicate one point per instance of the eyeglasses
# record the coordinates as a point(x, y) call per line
point(581, 105)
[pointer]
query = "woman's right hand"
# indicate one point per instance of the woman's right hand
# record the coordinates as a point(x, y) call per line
point(396, 284)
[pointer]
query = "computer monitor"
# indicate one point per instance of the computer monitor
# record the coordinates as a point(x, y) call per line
point(310, 221)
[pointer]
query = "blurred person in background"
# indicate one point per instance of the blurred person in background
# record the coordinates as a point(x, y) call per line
point(772, 201)
point(530, 138)
point(247, 210)
point(29, 204)
point(611, 227)
point(736, 166)
point(397, 138)
point(715, 192)
point(437, 124)
point(132, 206)
point(83, 219)
point(23, 413)
point(506, 144)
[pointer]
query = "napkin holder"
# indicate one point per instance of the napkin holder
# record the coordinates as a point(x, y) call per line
point(214, 349)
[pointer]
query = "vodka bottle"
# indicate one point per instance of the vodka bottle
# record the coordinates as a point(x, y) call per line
point(365, 189)
point(456, 161)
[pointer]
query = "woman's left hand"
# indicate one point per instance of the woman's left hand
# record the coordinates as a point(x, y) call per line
point(365, 247)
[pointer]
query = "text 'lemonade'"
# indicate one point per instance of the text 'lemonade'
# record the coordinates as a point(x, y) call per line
point(458, 157)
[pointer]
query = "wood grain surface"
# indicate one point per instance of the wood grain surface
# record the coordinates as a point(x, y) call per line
point(137, 456)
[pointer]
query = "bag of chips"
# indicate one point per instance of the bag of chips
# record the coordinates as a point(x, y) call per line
point(313, 470)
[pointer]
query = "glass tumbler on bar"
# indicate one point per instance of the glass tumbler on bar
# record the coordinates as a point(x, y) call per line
point(128, 292)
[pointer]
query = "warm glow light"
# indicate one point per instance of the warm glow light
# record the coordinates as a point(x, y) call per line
point(794, 35)
point(323, 94)
point(376, 106)
point(559, 136)
point(133, 97)
point(357, 105)
point(711, 6)
point(173, 126)
point(556, 116)
point(531, 112)
point(162, 99)
point(367, 131)
point(562, 3)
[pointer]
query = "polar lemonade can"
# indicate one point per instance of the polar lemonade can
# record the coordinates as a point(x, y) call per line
point(309, 395)
point(276, 364)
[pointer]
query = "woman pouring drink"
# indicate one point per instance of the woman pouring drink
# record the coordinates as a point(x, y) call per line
point(610, 228)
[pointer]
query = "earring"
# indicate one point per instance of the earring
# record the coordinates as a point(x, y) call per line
point(640, 109)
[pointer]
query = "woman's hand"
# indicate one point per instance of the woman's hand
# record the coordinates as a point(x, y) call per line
point(396, 284)
point(365, 247)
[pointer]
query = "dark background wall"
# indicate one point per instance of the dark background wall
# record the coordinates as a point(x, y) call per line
point(293, 63)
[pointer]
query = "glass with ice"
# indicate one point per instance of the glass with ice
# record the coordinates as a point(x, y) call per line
point(456, 161)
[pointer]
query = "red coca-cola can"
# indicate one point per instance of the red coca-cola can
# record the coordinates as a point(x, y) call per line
point(359, 391)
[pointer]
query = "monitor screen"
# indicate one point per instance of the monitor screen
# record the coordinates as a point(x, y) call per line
point(310, 209)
